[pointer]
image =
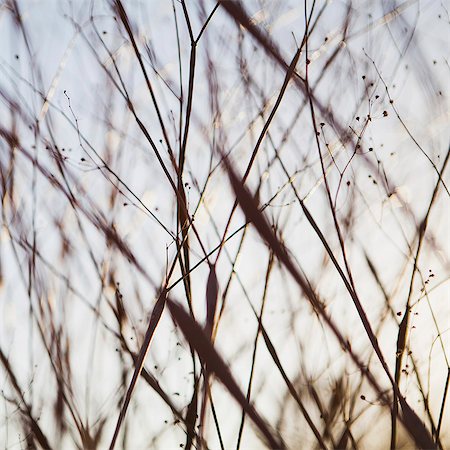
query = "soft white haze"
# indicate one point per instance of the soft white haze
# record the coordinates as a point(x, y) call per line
point(90, 228)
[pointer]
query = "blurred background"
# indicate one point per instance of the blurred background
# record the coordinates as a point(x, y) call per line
point(120, 122)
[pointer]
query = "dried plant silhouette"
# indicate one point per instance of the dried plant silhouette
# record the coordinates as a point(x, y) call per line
point(224, 224)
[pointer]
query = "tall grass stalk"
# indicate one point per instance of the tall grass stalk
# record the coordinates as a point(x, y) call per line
point(224, 224)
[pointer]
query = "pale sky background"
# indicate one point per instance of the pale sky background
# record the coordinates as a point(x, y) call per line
point(62, 66)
